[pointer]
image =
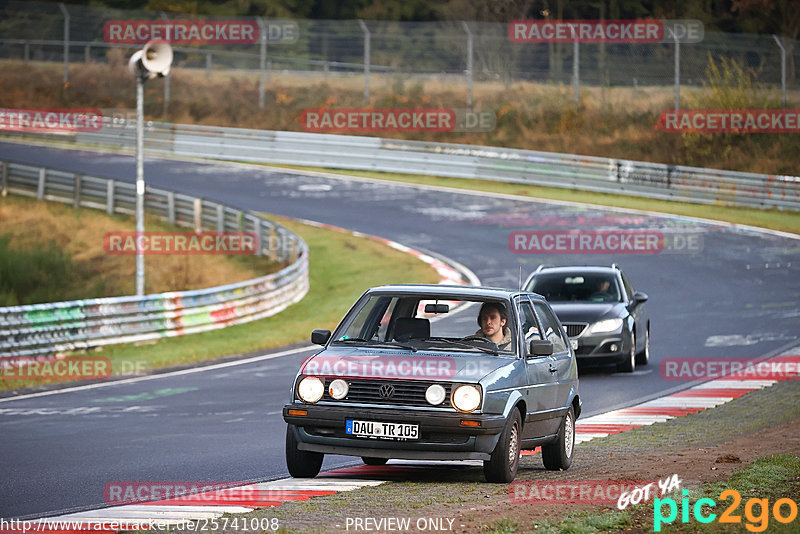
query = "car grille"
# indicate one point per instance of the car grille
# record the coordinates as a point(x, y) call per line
point(406, 392)
point(575, 329)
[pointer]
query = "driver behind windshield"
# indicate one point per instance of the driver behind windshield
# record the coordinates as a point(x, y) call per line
point(492, 319)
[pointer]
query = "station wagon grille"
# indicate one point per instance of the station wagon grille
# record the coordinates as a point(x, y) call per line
point(575, 329)
point(394, 392)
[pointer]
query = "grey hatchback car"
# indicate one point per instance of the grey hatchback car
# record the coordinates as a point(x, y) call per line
point(406, 375)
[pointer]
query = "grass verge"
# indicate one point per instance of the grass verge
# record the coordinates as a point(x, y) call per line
point(341, 268)
point(785, 221)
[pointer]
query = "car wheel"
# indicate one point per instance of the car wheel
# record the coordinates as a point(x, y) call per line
point(558, 455)
point(369, 460)
point(301, 464)
point(502, 467)
point(629, 363)
point(643, 358)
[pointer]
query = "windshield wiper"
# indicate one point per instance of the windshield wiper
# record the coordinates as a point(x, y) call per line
point(376, 343)
point(465, 345)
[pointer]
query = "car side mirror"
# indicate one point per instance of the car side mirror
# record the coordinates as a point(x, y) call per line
point(540, 347)
point(320, 337)
point(639, 297)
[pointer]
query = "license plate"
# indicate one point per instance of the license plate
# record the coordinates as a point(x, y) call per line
point(379, 430)
point(574, 344)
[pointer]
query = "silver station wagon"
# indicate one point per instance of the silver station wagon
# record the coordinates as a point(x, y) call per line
point(434, 372)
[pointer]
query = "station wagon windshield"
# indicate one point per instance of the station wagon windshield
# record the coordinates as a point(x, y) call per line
point(415, 322)
point(577, 287)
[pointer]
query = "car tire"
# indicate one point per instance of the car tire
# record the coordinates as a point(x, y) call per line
point(301, 464)
point(628, 365)
point(502, 467)
point(643, 358)
point(369, 460)
point(558, 455)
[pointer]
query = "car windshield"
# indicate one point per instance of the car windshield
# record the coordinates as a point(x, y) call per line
point(576, 287)
point(425, 323)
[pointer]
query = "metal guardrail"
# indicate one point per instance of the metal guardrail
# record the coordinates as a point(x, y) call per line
point(45, 329)
point(588, 173)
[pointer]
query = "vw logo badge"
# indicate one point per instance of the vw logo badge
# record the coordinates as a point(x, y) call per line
point(386, 391)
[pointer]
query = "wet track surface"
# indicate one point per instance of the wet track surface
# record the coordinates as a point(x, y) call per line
point(737, 297)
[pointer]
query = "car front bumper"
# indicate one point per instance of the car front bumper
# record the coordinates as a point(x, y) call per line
point(442, 437)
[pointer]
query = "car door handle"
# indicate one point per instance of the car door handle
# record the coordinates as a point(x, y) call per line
point(553, 369)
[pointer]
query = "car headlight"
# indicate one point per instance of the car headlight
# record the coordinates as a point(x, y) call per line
point(338, 389)
point(435, 394)
point(466, 398)
point(311, 389)
point(606, 325)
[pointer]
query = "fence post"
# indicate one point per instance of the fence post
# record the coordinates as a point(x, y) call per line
point(170, 206)
point(208, 65)
point(576, 60)
point(27, 51)
point(469, 63)
point(110, 197)
point(273, 243)
point(367, 51)
point(677, 71)
point(40, 187)
point(76, 191)
point(87, 55)
point(198, 215)
point(783, 70)
point(4, 179)
point(66, 41)
point(262, 63)
point(220, 218)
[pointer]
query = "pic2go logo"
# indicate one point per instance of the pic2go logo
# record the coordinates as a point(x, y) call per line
point(758, 521)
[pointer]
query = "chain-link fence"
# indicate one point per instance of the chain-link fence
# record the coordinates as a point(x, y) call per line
point(466, 51)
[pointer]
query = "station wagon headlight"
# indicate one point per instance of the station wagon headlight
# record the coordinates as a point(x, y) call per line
point(338, 389)
point(435, 394)
point(311, 389)
point(466, 398)
point(607, 325)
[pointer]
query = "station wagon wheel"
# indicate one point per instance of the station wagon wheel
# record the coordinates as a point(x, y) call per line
point(301, 464)
point(629, 364)
point(369, 460)
point(558, 455)
point(502, 467)
point(643, 358)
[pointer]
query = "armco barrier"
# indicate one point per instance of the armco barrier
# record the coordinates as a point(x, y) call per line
point(651, 180)
point(45, 329)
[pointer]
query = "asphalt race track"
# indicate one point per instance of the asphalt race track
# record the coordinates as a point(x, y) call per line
point(737, 297)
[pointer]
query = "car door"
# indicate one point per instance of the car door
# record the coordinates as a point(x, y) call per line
point(540, 392)
point(560, 365)
point(637, 311)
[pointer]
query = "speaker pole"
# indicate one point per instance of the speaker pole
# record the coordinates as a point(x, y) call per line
point(139, 185)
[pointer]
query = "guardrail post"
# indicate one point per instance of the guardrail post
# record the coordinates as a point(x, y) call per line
point(262, 61)
point(76, 196)
point(208, 65)
point(170, 205)
point(220, 218)
point(257, 230)
point(273, 244)
point(87, 55)
point(198, 215)
point(110, 197)
point(26, 51)
point(4, 179)
point(40, 188)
